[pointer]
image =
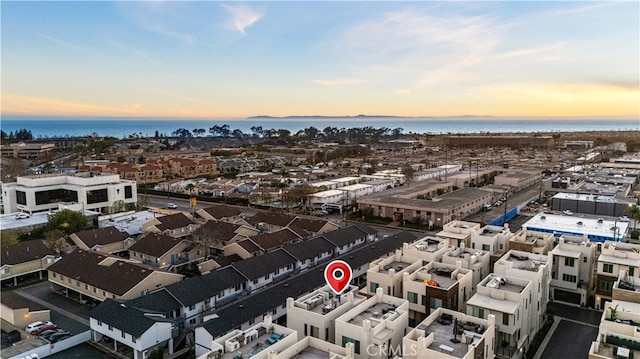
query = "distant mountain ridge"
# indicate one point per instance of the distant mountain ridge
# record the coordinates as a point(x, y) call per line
point(356, 116)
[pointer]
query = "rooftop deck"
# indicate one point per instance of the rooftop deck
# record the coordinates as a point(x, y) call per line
point(376, 314)
point(396, 265)
point(524, 262)
point(443, 334)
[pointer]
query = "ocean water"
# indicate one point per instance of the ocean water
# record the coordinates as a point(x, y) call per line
point(123, 127)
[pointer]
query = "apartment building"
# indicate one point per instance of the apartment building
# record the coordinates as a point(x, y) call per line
point(254, 342)
point(264, 269)
point(572, 279)
point(314, 314)
point(387, 273)
point(448, 333)
point(532, 242)
point(518, 180)
point(535, 268)
point(378, 322)
point(310, 348)
point(106, 240)
point(476, 260)
point(46, 192)
point(166, 252)
point(427, 249)
point(508, 299)
point(614, 258)
point(85, 275)
point(458, 232)
point(493, 239)
point(436, 285)
point(175, 225)
point(25, 260)
point(618, 331)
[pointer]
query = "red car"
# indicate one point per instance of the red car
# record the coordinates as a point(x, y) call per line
point(43, 328)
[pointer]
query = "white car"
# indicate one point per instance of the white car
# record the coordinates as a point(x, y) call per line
point(567, 212)
point(624, 219)
point(22, 215)
point(33, 327)
point(172, 206)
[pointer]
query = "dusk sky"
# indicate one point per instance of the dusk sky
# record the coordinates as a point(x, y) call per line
point(238, 59)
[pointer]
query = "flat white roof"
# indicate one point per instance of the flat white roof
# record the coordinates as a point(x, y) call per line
point(569, 224)
point(565, 252)
point(587, 197)
point(355, 187)
point(485, 301)
point(633, 262)
point(322, 183)
point(9, 221)
point(345, 179)
point(130, 223)
point(328, 193)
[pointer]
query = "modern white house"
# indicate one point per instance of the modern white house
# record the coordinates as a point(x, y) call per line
point(507, 298)
point(615, 258)
point(458, 232)
point(49, 191)
point(427, 249)
point(477, 260)
point(434, 337)
point(378, 322)
point(314, 314)
point(386, 273)
point(618, 331)
point(572, 279)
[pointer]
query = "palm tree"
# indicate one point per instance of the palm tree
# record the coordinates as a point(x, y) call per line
point(634, 212)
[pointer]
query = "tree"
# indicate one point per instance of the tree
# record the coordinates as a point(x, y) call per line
point(634, 213)
point(408, 171)
point(68, 221)
point(190, 187)
point(55, 239)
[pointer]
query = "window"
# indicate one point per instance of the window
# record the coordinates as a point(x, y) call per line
point(255, 281)
point(266, 277)
point(55, 196)
point(252, 321)
point(435, 303)
point(606, 286)
point(104, 293)
point(569, 278)
point(123, 334)
point(412, 297)
point(133, 339)
point(356, 343)
point(373, 287)
point(21, 198)
point(424, 300)
point(192, 307)
point(607, 268)
point(128, 192)
point(97, 196)
point(569, 262)
point(238, 287)
point(584, 259)
point(221, 294)
point(86, 287)
point(110, 328)
point(505, 318)
point(631, 271)
point(486, 247)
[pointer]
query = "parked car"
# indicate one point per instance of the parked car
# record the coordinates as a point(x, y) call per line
point(58, 337)
point(46, 335)
point(45, 328)
point(567, 212)
point(13, 336)
point(624, 219)
point(172, 206)
point(498, 203)
point(33, 327)
point(22, 215)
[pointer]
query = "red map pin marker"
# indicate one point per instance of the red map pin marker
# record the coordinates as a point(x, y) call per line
point(338, 275)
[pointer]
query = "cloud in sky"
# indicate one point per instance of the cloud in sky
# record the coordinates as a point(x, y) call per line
point(337, 82)
point(242, 16)
point(404, 92)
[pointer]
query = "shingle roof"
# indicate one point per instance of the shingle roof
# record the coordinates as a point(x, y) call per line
point(249, 246)
point(196, 289)
point(155, 245)
point(275, 218)
point(174, 221)
point(223, 231)
point(23, 252)
point(159, 301)
point(259, 266)
point(275, 239)
point(309, 249)
point(224, 261)
point(219, 211)
point(101, 236)
point(124, 317)
point(311, 225)
point(16, 301)
point(252, 306)
point(345, 235)
point(119, 277)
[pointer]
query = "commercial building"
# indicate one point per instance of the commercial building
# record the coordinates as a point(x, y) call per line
point(595, 230)
point(26, 150)
point(615, 257)
point(572, 279)
point(406, 203)
point(450, 334)
point(377, 322)
point(499, 141)
point(47, 192)
point(592, 204)
point(518, 180)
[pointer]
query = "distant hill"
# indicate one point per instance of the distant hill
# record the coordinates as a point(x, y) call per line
point(267, 117)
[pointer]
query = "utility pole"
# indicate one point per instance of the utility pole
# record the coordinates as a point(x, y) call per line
point(506, 199)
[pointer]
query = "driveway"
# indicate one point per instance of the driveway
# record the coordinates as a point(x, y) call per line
point(570, 340)
point(583, 315)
